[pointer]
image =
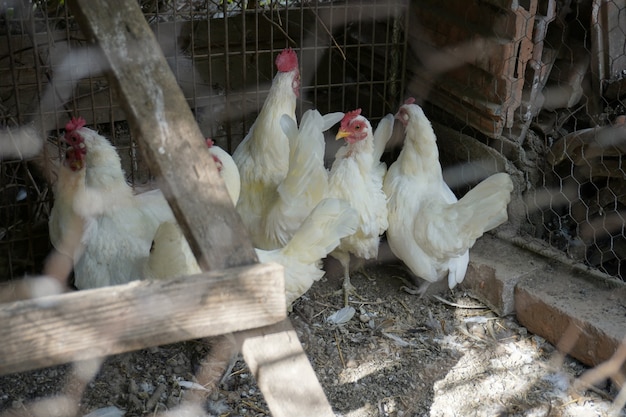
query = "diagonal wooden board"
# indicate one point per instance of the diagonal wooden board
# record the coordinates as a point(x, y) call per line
point(173, 145)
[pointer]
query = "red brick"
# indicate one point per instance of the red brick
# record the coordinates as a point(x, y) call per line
point(563, 307)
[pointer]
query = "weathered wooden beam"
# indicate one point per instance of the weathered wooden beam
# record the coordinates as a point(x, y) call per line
point(62, 328)
point(161, 119)
point(282, 366)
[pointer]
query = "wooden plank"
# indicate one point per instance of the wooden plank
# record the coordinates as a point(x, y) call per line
point(538, 70)
point(481, 114)
point(492, 77)
point(279, 364)
point(85, 324)
point(170, 139)
point(608, 61)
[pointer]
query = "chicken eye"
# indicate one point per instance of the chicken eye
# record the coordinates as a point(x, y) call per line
point(357, 127)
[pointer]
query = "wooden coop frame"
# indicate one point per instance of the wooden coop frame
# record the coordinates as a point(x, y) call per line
point(87, 324)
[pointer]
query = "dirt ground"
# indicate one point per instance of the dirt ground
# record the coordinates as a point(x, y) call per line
point(398, 356)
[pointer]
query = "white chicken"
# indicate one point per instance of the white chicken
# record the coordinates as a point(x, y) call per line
point(118, 227)
point(357, 177)
point(263, 156)
point(429, 230)
point(227, 169)
point(320, 232)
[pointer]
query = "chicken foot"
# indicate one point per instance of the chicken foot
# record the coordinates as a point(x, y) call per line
point(410, 287)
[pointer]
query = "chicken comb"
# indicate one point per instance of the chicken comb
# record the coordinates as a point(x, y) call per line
point(409, 100)
point(74, 124)
point(287, 60)
point(71, 136)
point(216, 159)
point(347, 118)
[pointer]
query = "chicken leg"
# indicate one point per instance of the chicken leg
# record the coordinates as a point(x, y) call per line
point(347, 287)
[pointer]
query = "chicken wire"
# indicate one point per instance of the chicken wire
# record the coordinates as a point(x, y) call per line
point(583, 132)
point(222, 54)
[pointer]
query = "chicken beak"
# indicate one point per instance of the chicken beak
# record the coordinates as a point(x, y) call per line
point(342, 134)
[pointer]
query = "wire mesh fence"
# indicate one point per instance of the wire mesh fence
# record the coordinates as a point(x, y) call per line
point(533, 88)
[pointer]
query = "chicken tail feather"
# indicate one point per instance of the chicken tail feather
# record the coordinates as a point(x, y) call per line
point(382, 134)
point(331, 119)
point(320, 233)
point(489, 200)
point(305, 161)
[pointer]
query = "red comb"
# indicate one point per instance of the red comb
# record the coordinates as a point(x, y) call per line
point(287, 60)
point(71, 136)
point(347, 118)
point(74, 124)
point(409, 100)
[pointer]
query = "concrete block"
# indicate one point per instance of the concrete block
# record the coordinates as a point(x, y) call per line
point(577, 311)
point(495, 268)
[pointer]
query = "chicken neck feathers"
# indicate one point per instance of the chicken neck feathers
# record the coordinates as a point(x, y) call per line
point(65, 226)
point(266, 143)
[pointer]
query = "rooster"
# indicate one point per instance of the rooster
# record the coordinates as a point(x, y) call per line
point(356, 176)
point(429, 230)
point(263, 156)
point(117, 226)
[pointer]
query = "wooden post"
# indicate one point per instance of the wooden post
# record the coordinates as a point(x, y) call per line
point(284, 373)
